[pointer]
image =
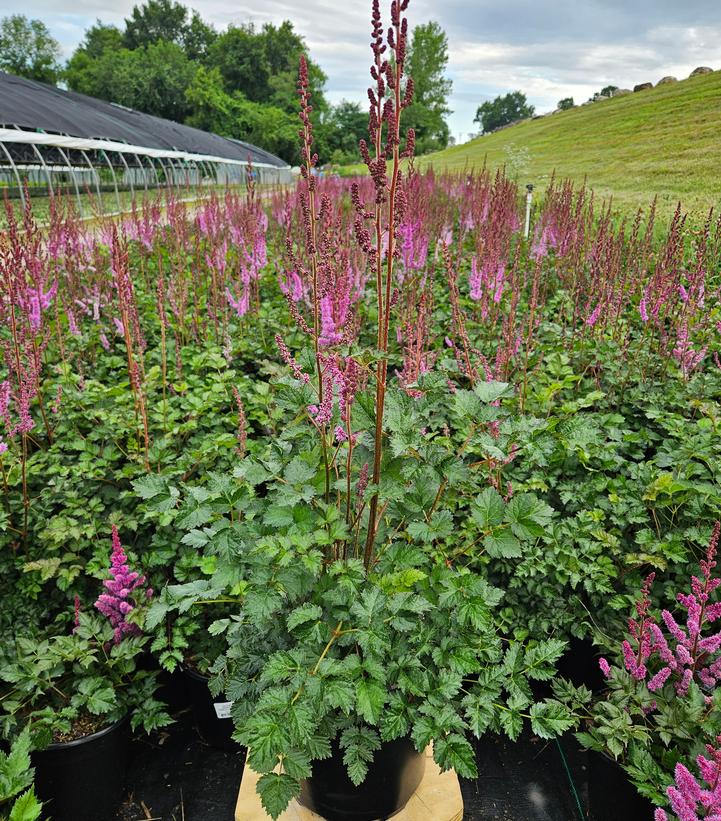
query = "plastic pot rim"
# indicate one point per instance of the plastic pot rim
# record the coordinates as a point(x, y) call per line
point(188, 671)
point(86, 739)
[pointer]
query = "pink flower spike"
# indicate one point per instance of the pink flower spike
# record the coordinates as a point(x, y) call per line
point(118, 602)
point(605, 668)
point(657, 682)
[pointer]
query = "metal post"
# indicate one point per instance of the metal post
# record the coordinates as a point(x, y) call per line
point(115, 182)
point(145, 175)
point(176, 174)
point(151, 163)
point(127, 171)
point(45, 167)
point(211, 171)
point(72, 174)
point(169, 174)
point(198, 174)
point(529, 200)
point(168, 180)
point(21, 188)
point(96, 177)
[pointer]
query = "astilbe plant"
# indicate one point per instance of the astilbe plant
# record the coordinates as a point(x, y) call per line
point(695, 799)
point(25, 297)
point(663, 702)
point(687, 653)
point(332, 538)
point(124, 587)
point(129, 328)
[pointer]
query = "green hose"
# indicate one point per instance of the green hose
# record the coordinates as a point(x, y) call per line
point(581, 814)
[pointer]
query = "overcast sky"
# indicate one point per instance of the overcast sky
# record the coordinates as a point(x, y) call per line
point(548, 48)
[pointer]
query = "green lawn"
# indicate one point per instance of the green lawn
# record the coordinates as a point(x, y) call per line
point(664, 141)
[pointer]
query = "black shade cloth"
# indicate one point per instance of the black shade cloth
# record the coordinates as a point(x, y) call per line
point(34, 106)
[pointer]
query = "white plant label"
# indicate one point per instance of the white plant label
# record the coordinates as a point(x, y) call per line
point(222, 709)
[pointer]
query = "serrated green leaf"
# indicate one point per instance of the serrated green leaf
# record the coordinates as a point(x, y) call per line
point(479, 712)
point(502, 545)
point(339, 694)
point(540, 660)
point(511, 723)
point(195, 538)
point(370, 698)
point(487, 509)
point(306, 612)
point(491, 391)
point(26, 808)
point(359, 745)
point(191, 518)
point(276, 791)
point(453, 752)
point(528, 516)
point(298, 472)
point(550, 719)
point(296, 764)
point(423, 731)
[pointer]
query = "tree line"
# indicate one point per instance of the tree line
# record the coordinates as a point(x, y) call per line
point(240, 82)
point(514, 106)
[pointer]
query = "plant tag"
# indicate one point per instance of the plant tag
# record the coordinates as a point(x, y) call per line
point(222, 709)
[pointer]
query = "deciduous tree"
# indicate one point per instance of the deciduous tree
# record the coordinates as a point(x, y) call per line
point(427, 62)
point(28, 50)
point(503, 110)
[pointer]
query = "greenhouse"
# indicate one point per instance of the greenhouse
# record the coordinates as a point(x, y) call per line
point(55, 141)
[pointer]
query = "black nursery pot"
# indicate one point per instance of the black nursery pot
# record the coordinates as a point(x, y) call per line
point(393, 777)
point(83, 780)
point(611, 796)
point(579, 664)
point(212, 715)
point(172, 687)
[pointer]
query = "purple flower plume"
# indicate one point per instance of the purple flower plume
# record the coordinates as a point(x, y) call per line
point(118, 602)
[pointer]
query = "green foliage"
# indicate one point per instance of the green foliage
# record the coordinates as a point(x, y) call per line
point(319, 649)
point(17, 797)
point(613, 148)
point(51, 685)
point(262, 65)
point(28, 50)
point(231, 114)
point(239, 56)
point(16, 773)
point(344, 125)
point(426, 64)
point(26, 807)
point(565, 104)
point(169, 62)
point(153, 78)
point(606, 91)
point(171, 22)
point(503, 110)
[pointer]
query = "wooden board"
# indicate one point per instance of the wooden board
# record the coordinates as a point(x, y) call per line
point(438, 798)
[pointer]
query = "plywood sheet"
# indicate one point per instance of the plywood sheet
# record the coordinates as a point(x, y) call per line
point(438, 797)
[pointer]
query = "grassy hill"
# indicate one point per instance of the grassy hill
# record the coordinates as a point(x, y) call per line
point(665, 141)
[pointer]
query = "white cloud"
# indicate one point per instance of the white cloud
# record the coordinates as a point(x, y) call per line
point(548, 48)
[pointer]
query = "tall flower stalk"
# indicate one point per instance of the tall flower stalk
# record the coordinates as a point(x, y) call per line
point(310, 220)
point(388, 97)
point(129, 326)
